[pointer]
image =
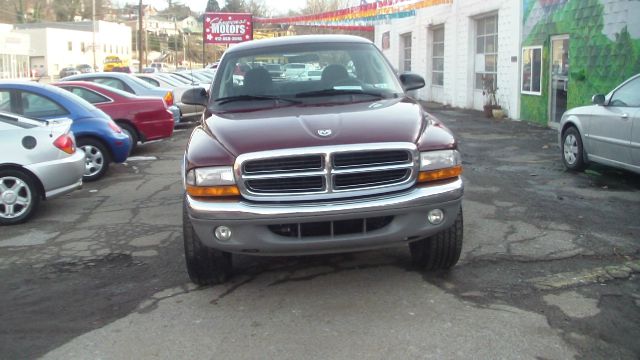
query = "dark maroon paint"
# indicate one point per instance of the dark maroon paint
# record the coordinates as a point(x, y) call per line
point(149, 116)
point(227, 135)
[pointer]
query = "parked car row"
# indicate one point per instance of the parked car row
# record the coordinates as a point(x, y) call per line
point(169, 86)
point(54, 137)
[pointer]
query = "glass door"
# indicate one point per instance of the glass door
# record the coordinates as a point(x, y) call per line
point(559, 78)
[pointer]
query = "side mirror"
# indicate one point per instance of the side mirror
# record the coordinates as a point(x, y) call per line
point(195, 96)
point(598, 99)
point(411, 81)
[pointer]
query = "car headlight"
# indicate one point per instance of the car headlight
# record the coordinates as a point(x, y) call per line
point(439, 165)
point(211, 181)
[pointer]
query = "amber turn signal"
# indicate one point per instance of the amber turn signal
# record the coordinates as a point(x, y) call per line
point(440, 174)
point(213, 191)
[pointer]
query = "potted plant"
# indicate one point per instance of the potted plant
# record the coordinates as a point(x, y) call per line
point(489, 90)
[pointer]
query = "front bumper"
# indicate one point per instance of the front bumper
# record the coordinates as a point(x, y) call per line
point(249, 221)
point(61, 176)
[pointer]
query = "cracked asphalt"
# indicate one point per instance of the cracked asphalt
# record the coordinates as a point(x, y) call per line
point(550, 270)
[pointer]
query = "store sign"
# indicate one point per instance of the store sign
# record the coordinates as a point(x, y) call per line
point(227, 28)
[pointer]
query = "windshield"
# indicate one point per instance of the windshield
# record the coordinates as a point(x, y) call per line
point(341, 69)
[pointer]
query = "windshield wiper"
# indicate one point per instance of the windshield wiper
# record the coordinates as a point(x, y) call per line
point(229, 99)
point(331, 92)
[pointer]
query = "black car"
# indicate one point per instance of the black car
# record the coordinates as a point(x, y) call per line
point(68, 71)
point(85, 68)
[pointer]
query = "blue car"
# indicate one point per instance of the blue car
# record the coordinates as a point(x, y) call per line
point(101, 139)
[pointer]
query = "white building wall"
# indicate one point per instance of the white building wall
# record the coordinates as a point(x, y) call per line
point(52, 44)
point(459, 21)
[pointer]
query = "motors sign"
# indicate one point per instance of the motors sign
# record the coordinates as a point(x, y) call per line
point(227, 28)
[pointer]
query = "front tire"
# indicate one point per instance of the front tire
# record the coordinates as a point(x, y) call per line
point(572, 150)
point(19, 196)
point(440, 251)
point(97, 159)
point(205, 265)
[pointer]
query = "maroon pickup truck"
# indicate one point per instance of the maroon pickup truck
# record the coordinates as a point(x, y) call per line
point(293, 166)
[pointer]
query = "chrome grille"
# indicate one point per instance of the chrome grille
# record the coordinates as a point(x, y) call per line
point(372, 178)
point(327, 172)
point(293, 163)
point(372, 158)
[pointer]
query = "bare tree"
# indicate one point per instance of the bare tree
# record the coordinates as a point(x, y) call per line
point(258, 8)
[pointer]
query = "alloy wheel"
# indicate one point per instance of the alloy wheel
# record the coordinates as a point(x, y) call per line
point(94, 160)
point(15, 197)
point(570, 148)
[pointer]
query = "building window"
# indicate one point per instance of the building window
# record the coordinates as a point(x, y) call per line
point(405, 53)
point(104, 48)
point(532, 70)
point(486, 62)
point(82, 48)
point(69, 46)
point(437, 57)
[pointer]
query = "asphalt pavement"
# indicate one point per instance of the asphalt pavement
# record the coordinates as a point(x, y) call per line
point(549, 271)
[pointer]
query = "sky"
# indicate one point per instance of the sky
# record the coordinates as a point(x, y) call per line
point(277, 6)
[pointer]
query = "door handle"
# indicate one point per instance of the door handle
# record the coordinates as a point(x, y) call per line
point(624, 116)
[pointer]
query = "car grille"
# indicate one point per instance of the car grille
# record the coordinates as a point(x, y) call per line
point(327, 172)
point(331, 228)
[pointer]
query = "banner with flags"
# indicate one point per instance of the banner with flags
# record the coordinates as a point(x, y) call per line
point(363, 16)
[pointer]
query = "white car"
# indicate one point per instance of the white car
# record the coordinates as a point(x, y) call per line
point(607, 132)
point(38, 161)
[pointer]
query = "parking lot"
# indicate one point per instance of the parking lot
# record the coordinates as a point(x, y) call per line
point(549, 270)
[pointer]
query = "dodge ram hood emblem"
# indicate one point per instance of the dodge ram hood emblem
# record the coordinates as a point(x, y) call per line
point(324, 132)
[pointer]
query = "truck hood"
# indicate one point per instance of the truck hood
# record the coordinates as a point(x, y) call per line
point(389, 120)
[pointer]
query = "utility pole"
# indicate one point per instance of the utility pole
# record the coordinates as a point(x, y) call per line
point(175, 42)
point(140, 12)
point(93, 27)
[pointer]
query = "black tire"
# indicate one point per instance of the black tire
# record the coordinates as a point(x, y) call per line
point(19, 185)
point(132, 133)
point(97, 159)
point(572, 150)
point(440, 251)
point(205, 265)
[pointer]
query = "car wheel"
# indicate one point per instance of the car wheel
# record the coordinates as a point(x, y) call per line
point(206, 266)
point(19, 196)
point(440, 251)
point(131, 133)
point(572, 150)
point(96, 159)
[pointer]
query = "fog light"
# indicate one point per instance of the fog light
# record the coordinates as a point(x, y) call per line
point(435, 216)
point(223, 233)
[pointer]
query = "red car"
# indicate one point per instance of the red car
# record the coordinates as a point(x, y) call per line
point(142, 118)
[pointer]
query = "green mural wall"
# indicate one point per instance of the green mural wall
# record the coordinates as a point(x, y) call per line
point(597, 62)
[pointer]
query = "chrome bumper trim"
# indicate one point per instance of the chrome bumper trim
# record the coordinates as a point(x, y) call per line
point(234, 210)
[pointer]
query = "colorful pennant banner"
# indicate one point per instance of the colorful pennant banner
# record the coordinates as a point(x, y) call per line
point(362, 16)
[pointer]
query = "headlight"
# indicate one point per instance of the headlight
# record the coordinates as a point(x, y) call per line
point(211, 181)
point(439, 165)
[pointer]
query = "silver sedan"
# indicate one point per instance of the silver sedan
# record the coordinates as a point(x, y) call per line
point(38, 160)
point(164, 80)
point(607, 132)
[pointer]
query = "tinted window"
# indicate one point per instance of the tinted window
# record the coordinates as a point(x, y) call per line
point(150, 81)
point(5, 100)
point(37, 106)
point(91, 96)
point(114, 83)
point(628, 95)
